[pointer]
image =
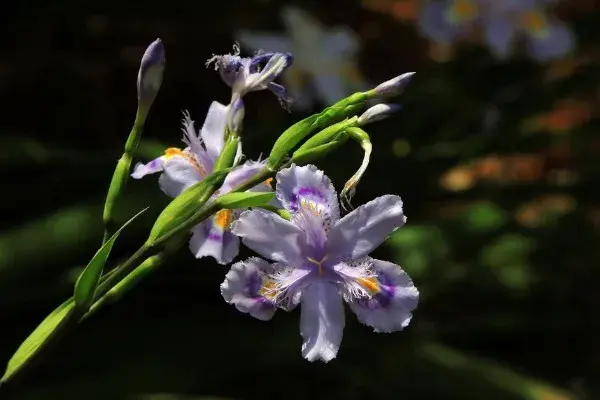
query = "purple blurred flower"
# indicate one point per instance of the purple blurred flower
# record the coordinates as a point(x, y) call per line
point(504, 23)
point(245, 75)
point(183, 168)
point(320, 259)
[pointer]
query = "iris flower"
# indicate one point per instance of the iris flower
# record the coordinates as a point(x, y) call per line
point(182, 168)
point(319, 261)
point(504, 23)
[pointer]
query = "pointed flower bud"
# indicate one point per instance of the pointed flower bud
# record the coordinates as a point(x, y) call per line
point(394, 86)
point(150, 74)
point(377, 113)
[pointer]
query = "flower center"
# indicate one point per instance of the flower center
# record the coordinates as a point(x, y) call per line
point(319, 264)
point(268, 290)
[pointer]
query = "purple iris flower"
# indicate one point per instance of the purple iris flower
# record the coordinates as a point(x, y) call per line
point(183, 168)
point(504, 24)
point(319, 261)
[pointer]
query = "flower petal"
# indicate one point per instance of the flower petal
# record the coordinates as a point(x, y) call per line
point(140, 170)
point(241, 174)
point(331, 87)
point(213, 130)
point(212, 238)
point(307, 184)
point(194, 142)
point(500, 36)
point(179, 174)
point(557, 41)
point(269, 235)
point(322, 321)
point(364, 229)
point(390, 309)
point(242, 287)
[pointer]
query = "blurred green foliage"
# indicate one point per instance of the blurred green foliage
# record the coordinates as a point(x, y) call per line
point(501, 238)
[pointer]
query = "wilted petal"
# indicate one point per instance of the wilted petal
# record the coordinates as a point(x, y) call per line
point(307, 184)
point(500, 35)
point(276, 64)
point(140, 170)
point(243, 286)
point(556, 41)
point(212, 238)
point(364, 229)
point(390, 307)
point(322, 321)
point(269, 235)
point(180, 172)
point(213, 130)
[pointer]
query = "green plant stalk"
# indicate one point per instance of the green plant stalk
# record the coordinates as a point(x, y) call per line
point(121, 173)
point(119, 274)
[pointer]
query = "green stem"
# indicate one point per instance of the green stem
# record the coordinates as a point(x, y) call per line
point(121, 174)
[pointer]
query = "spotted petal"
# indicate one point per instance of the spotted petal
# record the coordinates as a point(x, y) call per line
point(390, 308)
point(364, 229)
point(322, 321)
point(307, 184)
point(243, 286)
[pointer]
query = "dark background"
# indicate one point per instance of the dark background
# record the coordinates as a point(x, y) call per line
point(507, 267)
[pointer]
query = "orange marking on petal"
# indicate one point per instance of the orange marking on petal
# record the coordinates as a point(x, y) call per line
point(371, 284)
point(173, 151)
point(268, 182)
point(223, 219)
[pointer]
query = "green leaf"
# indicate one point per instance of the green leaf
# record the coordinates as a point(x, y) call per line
point(245, 199)
point(39, 338)
point(85, 287)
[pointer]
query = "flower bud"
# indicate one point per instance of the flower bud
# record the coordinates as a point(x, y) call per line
point(150, 74)
point(394, 86)
point(377, 113)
